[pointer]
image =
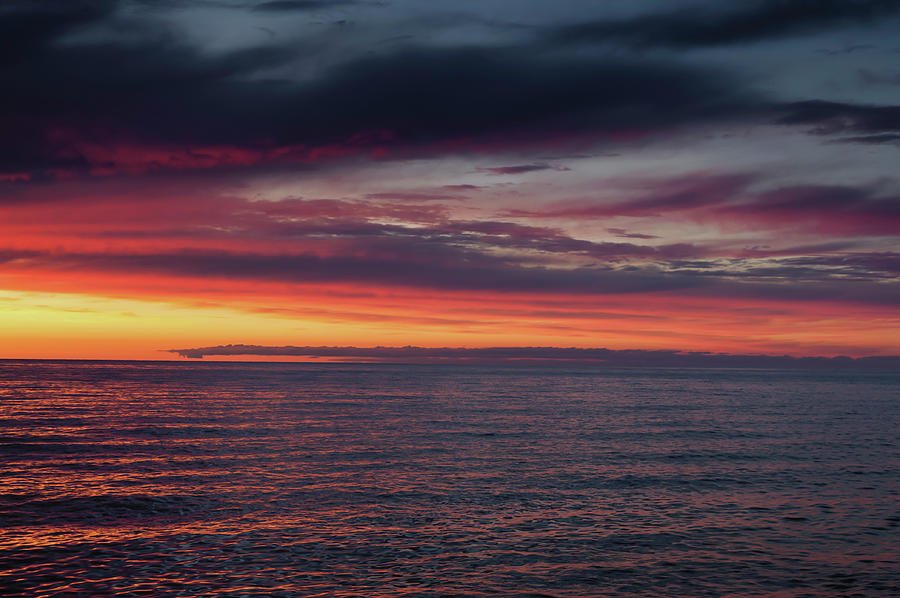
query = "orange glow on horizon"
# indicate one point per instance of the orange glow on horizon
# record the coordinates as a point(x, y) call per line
point(48, 324)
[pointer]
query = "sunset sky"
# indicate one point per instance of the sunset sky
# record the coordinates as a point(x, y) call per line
point(630, 174)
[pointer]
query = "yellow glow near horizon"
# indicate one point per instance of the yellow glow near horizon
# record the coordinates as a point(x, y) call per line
point(44, 325)
point(54, 325)
point(50, 325)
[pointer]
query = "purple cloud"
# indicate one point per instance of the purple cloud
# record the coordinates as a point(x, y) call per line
point(521, 169)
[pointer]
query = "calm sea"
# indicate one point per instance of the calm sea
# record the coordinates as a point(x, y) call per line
point(167, 479)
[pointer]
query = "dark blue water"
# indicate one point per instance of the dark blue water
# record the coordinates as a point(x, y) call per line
point(166, 479)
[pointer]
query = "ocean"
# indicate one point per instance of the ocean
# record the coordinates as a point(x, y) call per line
point(254, 479)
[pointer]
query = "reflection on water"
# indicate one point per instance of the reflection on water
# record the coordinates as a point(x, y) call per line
point(341, 480)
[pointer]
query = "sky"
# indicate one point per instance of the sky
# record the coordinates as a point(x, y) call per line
point(645, 175)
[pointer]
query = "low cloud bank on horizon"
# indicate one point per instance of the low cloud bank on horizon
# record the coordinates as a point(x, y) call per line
point(547, 355)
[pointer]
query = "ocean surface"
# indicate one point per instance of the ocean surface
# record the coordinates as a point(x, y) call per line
point(251, 479)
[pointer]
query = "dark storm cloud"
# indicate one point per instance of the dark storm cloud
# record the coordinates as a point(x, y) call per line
point(27, 26)
point(833, 117)
point(433, 94)
point(548, 355)
point(60, 96)
point(157, 89)
point(740, 22)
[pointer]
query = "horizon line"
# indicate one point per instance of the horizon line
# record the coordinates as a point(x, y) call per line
point(539, 356)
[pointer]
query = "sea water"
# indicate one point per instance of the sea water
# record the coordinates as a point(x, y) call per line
point(250, 479)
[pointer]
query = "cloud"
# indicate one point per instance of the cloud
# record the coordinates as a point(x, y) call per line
point(81, 104)
point(547, 355)
point(27, 27)
point(734, 201)
point(462, 187)
point(884, 264)
point(301, 5)
point(193, 235)
point(108, 104)
point(521, 169)
point(869, 77)
point(386, 263)
point(888, 138)
point(829, 118)
point(690, 191)
point(820, 208)
point(12, 255)
point(739, 23)
point(414, 196)
point(429, 265)
point(621, 232)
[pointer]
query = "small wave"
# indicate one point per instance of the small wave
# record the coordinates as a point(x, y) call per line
point(112, 509)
